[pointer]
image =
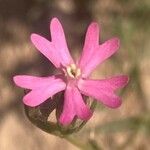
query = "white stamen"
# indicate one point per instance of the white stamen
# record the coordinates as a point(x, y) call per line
point(73, 71)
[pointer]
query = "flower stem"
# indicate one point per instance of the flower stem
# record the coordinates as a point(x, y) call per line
point(76, 143)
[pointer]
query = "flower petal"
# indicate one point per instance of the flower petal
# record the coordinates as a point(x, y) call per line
point(68, 112)
point(90, 44)
point(33, 82)
point(38, 96)
point(82, 111)
point(103, 90)
point(59, 41)
point(115, 82)
point(46, 48)
point(74, 105)
point(102, 53)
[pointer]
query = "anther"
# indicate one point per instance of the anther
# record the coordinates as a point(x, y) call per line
point(73, 71)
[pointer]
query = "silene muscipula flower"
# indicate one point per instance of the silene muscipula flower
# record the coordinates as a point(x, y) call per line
point(74, 76)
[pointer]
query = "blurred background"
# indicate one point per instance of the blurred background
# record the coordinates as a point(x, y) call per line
point(125, 128)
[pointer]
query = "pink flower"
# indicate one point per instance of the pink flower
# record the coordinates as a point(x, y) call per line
point(74, 77)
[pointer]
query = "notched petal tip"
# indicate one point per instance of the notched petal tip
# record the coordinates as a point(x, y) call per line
point(17, 79)
point(125, 80)
point(118, 81)
point(55, 22)
point(94, 25)
point(34, 37)
point(30, 103)
point(66, 119)
point(86, 115)
point(116, 41)
point(54, 19)
point(115, 104)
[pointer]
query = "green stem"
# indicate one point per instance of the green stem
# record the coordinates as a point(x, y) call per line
point(77, 143)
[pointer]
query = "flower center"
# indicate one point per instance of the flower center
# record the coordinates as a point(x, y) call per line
point(73, 71)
